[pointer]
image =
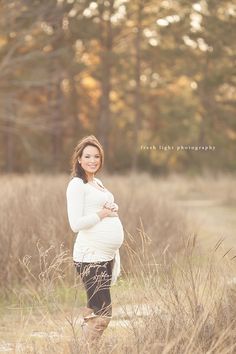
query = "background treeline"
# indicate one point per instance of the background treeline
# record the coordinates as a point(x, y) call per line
point(131, 72)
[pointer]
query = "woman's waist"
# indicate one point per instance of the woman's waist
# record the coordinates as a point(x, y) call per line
point(97, 246)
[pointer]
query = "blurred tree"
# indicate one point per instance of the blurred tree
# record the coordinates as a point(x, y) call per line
point(131, 72)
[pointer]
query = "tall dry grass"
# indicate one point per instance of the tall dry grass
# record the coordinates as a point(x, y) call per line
point(173, 297)
point(33, 214)
point(183, 306)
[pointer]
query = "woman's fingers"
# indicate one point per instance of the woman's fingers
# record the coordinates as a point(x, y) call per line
point(112, 206)
point(115, 207)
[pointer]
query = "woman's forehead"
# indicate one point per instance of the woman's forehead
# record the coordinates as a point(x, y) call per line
point(90, 150)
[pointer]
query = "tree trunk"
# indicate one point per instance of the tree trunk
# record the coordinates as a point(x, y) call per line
point(137, 95)
point(104, 123)
point(57, 132)
point(205, 102)
point(9, 140)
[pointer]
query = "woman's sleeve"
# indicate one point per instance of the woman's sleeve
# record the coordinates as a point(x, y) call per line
point(116, 268)
point(75, 206)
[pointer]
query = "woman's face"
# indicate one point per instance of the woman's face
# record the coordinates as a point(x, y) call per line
point(90, 160)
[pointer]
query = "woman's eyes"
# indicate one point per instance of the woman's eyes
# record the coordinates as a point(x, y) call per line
point(95, 157)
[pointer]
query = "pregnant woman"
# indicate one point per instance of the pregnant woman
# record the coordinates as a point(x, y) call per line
point(92, 214)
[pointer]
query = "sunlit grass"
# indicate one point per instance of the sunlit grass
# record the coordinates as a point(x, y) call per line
point(183, 305)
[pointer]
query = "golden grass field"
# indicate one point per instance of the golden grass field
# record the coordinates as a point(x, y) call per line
point(177, 292)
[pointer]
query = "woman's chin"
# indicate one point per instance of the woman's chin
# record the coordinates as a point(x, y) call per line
point(92, 170)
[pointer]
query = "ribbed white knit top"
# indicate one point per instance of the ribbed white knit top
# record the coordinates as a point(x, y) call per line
point(97, 240)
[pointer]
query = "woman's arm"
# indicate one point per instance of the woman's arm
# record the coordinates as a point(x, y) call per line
point(75, 205)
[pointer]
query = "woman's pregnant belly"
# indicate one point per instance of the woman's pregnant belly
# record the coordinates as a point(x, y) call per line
point(106, 234)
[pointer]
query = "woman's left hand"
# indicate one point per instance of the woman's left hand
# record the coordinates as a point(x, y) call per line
point(111, 206)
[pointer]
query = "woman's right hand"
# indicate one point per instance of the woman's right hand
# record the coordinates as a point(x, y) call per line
point(106, 212)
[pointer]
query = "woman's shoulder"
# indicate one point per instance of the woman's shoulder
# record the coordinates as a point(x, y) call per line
point(76, 179)
point(75, 182)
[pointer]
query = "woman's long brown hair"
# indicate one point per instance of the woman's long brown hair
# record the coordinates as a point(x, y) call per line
point(76, 169)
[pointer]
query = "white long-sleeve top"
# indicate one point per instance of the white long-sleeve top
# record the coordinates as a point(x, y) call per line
point(97, 239)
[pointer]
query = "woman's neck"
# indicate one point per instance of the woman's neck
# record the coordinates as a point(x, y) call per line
point(90, 178)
